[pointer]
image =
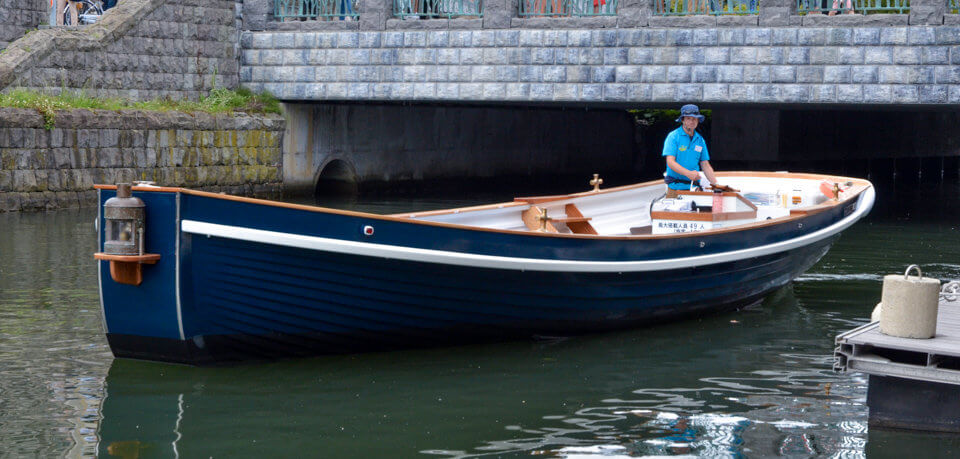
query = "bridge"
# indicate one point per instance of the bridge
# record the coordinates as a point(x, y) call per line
point(764, 68)
point(633, 56)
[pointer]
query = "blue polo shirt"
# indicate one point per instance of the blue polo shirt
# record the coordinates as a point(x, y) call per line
point(688, 152)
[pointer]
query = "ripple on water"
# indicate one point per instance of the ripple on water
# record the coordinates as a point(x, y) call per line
point(52, 352)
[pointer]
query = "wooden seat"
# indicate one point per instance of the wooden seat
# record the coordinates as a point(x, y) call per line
point(577, 222)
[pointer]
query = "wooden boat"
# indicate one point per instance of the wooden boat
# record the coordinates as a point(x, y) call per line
point(212, 278)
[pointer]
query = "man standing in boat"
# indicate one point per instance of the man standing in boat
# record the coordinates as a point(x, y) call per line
point(686, 153)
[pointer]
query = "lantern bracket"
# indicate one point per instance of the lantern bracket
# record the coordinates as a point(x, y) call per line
point(127, 269)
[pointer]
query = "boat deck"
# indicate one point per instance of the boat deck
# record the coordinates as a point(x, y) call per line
point(865, 349)
point(631, 211)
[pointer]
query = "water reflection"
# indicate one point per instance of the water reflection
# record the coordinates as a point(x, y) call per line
point(753, 382)
point(53, 357)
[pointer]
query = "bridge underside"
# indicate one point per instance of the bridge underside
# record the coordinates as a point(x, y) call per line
point(391, 143)
point(340, 146)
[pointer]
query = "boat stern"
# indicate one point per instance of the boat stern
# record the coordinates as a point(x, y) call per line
point(137, 264)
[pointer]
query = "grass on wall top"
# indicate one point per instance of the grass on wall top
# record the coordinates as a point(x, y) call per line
point(219, 100)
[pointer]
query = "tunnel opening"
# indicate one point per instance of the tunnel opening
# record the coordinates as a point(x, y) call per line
point(336, 179)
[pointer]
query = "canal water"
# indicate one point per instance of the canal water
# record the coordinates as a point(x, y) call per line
point(756, 382)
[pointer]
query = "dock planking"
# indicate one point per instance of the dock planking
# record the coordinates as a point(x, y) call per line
point(867, 350)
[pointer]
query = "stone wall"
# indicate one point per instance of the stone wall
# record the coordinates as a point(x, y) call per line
point(19, 16)
point(57, 168)
point(141, 49)
point(802, 65)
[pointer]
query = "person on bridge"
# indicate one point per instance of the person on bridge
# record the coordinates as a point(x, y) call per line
point(686, 153)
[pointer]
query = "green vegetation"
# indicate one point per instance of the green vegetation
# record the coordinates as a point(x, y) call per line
point(218, 101)
point(648, 117)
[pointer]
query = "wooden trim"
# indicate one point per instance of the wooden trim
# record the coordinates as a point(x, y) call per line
point(531, 218)
point(850, 195)
point(127, 269)
point(578, 226)
point(743, 200)
point(536, 199)
point(126, 273)
point(688, 216)
point(148, 258)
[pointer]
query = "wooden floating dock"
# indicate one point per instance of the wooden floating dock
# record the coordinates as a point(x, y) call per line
point(914, 383)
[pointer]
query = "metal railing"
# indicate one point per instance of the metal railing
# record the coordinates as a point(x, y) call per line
point(712, 7)
point(832, 7)
point(437, 8)
point(322, 10)
point(559, 8)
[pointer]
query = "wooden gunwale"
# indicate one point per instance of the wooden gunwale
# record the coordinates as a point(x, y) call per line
point(396, 218)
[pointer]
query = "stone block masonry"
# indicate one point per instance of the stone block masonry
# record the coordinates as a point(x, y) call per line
point(139, 50)
point(44, 169)
point(19, 16)
point(890, 65)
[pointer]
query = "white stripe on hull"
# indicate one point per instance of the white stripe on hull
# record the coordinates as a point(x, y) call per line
point(100, 232)
point(176, 274)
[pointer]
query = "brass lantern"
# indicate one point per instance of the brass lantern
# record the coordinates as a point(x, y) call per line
point(124, 223)
point(123, 237)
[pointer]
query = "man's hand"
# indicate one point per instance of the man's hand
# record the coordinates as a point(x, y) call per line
point(693, 176)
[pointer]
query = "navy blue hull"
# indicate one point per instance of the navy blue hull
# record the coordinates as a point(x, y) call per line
point(250, 306)
point(224, 298)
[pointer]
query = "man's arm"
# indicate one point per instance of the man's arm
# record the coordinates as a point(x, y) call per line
point(676, 167)
point(708, 171)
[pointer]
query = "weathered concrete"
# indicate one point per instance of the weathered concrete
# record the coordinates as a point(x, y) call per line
point(57, 168)
point(391, 143)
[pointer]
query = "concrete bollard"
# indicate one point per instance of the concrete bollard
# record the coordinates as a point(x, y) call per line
point(909, 305)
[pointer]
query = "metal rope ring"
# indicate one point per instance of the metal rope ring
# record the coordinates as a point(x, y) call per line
point(906, 274)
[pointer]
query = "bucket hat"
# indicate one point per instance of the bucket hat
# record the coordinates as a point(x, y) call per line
point(690, 110)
